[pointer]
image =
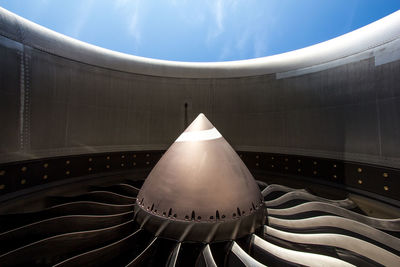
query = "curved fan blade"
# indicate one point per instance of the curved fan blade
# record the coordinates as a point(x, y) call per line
point(12, 221)
point(174, 256)
point(206, 258)
point(303, 195)
point(278, 188)
point(296, 257)
point(95, 196)
point(383, 224)
point(121, 188)
point(65, 245)
point(143, 256)
point(355, 245)
point(238, 257)
point(105, 254)
point(338, 222)
point(55, 226)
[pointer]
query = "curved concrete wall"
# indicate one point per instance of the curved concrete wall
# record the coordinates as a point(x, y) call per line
point(338, 99)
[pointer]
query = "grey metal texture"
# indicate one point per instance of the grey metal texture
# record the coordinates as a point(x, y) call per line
point(338, 99)
point(244, 258)
point(200, 190)
point(355, 245)
point(383, 224)
point(337, 222)
point(297, 257)
point(303, 195)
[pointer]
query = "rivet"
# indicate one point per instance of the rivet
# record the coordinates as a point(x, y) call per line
point(45, 176)
point(134, 155)
point(107, 166)
point(134, 164)
point(315, 163)
point(315, 172)
point(123, 156)
point(359, 170)
point(2, 172)
point(90, 169)
point(23, 181)
point(257, 156)
point(385, 174)
point(147, 155)
point(272, 165)
point(45, 165)
point(67, 162)
point(334, 166)
point(108, 158)
point(286, 159)
point(386, 188)
point(360, 181)
point(122, 165)
point(23, 169)
point(299, 170)
point(257, 164)
point(90, 159)
point(67, 172)
point(299, 160)
point(147, 163)
point(334, 176)
point(272, 158)
point(2, 186)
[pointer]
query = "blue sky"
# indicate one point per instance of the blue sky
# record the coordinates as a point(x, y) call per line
point(202, 30)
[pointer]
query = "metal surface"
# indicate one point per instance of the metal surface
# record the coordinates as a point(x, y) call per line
point(337, 222)
point(202, 183)
point(365, 38)
point(338, 99)
point(303, 195)
point(297, 257)
point(208, 257)
point(356, 245)
point(277, 188)
point(245, 258)
point(383, 224)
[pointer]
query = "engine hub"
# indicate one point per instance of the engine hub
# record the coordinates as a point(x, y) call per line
point(200, 190)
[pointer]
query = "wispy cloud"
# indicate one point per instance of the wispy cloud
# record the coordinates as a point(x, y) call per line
point(81, 18)
point(132, 11)
point(219, 10)
point(260, 46)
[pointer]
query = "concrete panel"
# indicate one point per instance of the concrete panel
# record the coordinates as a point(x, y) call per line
point(79, 98)
point(351, 128)
point(389, 114)
point(10, 83)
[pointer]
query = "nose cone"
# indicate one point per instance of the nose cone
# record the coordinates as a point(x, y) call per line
point(200, 180)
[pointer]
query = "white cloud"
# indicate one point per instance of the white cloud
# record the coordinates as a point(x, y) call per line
point(81, 18)
point(131, 9)
point(260, 46)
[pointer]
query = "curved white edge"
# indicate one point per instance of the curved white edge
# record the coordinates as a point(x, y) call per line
point(195, 136)
point(337, 222)
point(356, 245)
point(368, 37)
point(277, 188)
point(383, 224)
point(208, 257)
point(298, 257)
point(244, 257)
point(303, 195)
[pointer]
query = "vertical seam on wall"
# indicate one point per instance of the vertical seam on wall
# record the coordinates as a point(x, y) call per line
point(22, 100)
point(378, 112)
point(24, 110)
point(27, 102)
